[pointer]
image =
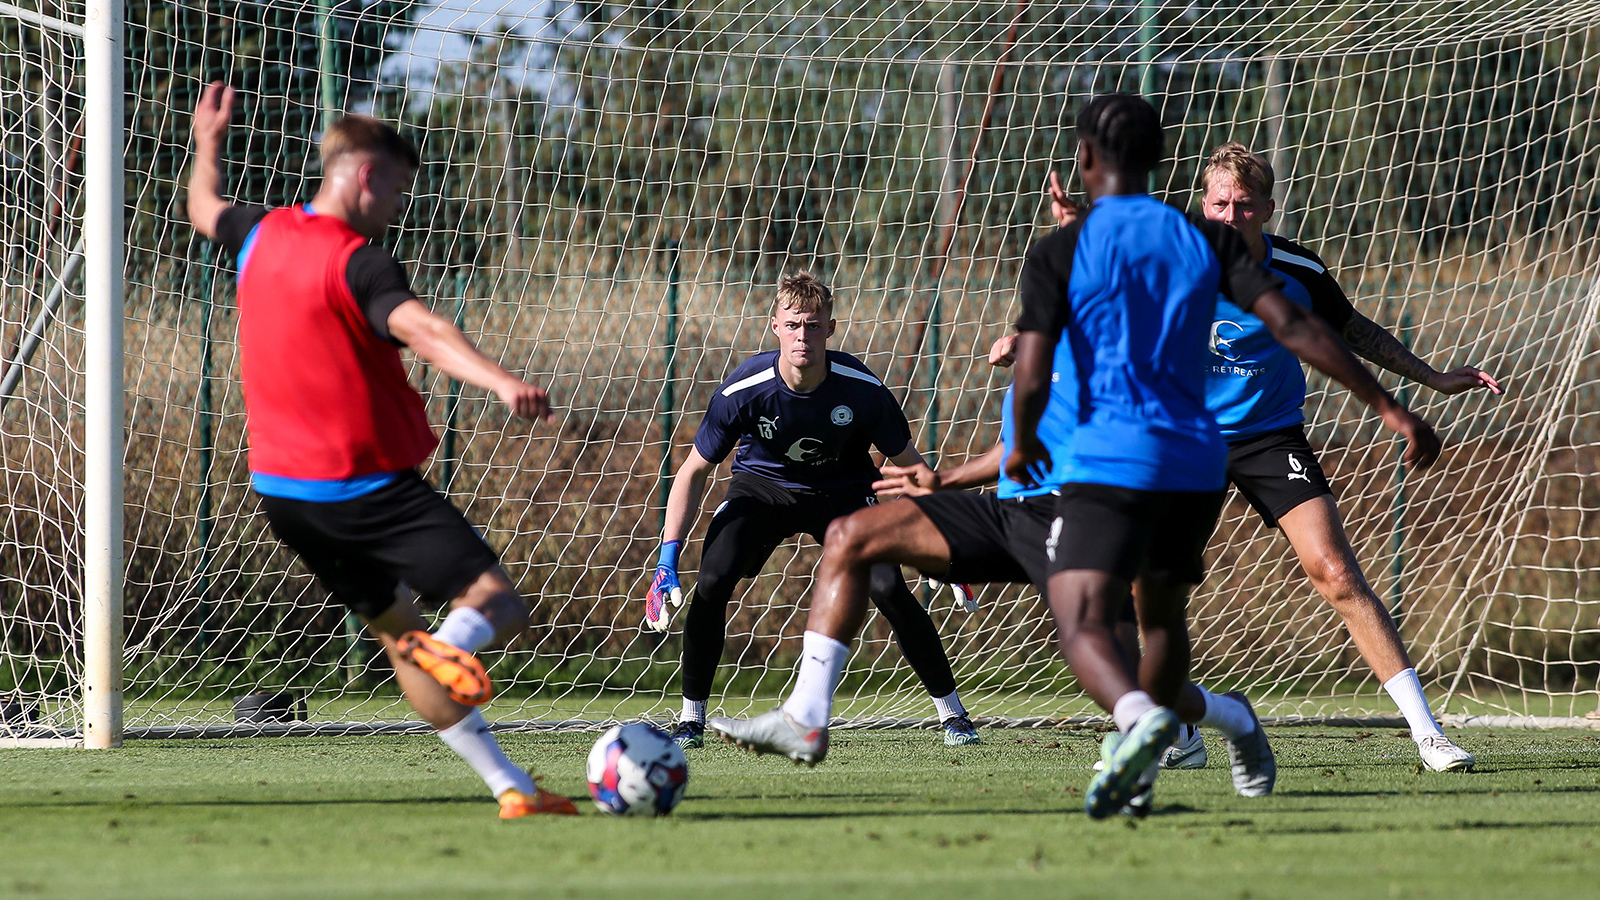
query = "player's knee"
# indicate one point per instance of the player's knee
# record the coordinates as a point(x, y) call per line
point(1335, 579)
point(847, 540)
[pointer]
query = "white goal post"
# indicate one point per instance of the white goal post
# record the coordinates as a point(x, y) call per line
point(608, 194)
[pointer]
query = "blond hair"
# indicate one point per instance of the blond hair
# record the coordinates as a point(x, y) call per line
point(364, 134)
point(1250, 171)
point(802, 292)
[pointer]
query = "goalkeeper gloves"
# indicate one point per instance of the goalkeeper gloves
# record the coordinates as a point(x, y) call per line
point(664, 589)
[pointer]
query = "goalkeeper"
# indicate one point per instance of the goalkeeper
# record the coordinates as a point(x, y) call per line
point(803, 417)
point(337, 432)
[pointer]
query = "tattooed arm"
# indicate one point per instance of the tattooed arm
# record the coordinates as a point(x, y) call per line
point(1374, 343)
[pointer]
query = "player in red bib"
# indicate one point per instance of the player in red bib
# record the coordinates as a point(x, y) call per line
point(337, 431)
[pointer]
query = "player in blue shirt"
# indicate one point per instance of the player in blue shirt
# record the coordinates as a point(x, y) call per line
point(803, 418)
point(1132, 289)
point(1258, 391)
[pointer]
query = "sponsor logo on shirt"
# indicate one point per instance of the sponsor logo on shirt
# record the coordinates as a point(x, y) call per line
point(805, 450)
point(842, 415)
point(1223, 334)
point(767, 427)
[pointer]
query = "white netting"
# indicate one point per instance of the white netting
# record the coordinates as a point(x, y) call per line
point(609, 193)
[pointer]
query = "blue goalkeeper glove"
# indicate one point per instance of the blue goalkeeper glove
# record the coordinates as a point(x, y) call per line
point(665, 593)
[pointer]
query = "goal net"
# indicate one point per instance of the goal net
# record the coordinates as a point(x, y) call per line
point(609, 194)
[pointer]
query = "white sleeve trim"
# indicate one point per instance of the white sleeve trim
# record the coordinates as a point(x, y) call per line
point(1290, 258)
point(848, 372)
point(762, 377)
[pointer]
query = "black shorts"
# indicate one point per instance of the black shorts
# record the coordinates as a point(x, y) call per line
point(1276, 472)
point(1130, 533)
point(756, 515)
point(361, 549)
point(996, 541)
point(992, 541)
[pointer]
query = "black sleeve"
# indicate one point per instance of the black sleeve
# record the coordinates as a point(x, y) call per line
point(1046, 274)
point(1327, 298)
point(379, 285)
point(891, 433)
point(235, 223)
point(1243, 279)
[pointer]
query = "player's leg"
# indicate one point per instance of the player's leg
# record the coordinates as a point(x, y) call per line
point(1317, 534)
point(351, 546)
point(897, 533)
point(741, 536)
point(919, 640)
point(1278, 473)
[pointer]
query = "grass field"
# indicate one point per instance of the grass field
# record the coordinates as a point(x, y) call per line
point(889, 814)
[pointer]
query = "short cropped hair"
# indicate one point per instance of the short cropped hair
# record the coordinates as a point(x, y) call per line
point(1126, 129)
point(1248, 170)
point(364, 134)
point(802, 292)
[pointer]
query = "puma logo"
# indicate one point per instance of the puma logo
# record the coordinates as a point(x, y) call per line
point(1299, 470)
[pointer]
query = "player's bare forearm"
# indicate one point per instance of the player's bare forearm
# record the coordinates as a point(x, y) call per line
point(210, 125)
point(975, 472)
point(440, 343)
point(1375, 344)
point(1310, 338)
point(1030, 382)
point(1372, 342)
point(683, 501)
point(1307, 336)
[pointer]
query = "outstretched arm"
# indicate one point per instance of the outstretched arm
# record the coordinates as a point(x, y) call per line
point(1310, 338)
point(205, 173)
point(1374, 343)
point(439, 342)
point(919, 480)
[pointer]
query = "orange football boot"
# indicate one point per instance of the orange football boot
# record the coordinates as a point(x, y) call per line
point(514, 804)
point(459, 671)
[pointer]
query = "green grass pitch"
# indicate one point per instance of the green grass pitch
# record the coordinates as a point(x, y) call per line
point(889, 814)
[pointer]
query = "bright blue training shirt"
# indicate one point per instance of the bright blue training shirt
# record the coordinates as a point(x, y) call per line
point(1253, 383)
point(1055, 430)
point(1132, 288)
point(813, 442)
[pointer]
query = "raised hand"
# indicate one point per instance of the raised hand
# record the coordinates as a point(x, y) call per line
point(212, 114)
point(1062, 208)
point(1003, 352)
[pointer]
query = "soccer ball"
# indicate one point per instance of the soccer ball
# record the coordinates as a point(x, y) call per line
point(636, 770)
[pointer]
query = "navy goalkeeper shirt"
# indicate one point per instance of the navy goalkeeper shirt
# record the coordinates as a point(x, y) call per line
point(811, 442)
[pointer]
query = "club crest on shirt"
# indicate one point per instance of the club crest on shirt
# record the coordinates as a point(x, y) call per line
point(842, 415)
point(767, 427)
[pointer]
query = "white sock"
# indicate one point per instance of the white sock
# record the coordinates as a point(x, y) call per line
point(1226, 715)
point(821, 663)
point(465, 629)
point(693, 711)
point(471, 740)
point(1130, 708)
point(1406, 689)
point(949, 706)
